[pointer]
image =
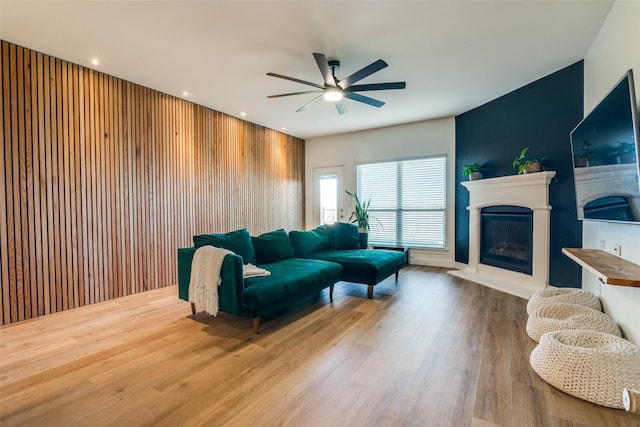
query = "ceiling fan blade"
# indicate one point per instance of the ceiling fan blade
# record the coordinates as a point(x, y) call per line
point(362, 98)
point(342, 109)
point(294, 93)
point(365, 72)
point(376, 86)
point(323, 65)
point(280, 76)
point(309, 104)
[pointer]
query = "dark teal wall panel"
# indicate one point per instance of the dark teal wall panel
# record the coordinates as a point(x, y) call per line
point(540, 116)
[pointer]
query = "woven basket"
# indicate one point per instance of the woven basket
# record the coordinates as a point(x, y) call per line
point(564, 295)
point(593, 366)
point(555, 317)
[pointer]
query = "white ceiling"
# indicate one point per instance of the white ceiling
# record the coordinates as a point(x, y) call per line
point(454, 55)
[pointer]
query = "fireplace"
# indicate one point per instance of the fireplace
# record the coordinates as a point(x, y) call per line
point(509, 226)
point(506, 237)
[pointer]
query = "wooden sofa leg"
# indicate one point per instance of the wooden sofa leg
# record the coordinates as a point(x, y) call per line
point(193, 309)
point(256, 325)
point(331, 293)
point(370, 292)
point(397, 273)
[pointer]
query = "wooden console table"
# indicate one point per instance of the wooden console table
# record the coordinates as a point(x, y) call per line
point(609, 268)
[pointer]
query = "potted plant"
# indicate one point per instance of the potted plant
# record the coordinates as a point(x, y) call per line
point(526, 164)
point(586, 158)
point(626, 152)
point(360, 216)
point(472, 171)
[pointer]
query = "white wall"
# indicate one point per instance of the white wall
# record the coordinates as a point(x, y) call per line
point(428, 138)
point(612, 53)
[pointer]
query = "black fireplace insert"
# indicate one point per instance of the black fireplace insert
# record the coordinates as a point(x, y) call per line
point(506, 238)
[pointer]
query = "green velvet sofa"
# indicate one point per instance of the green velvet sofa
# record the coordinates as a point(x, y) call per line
point(291, 278)
point(340, 243)
point(301, 264)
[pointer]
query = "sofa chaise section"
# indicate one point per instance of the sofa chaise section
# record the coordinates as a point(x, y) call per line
point(367, 266)
point(340, 243)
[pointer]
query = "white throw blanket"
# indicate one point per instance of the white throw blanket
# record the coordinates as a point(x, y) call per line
point(205, 278)
point(251, 270)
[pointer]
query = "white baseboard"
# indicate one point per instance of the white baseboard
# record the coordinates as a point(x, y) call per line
point(432, 258)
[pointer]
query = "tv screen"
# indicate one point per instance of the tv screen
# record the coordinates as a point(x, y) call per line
point(605, 157)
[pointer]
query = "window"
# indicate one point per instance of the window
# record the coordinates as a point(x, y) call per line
point(408, 201)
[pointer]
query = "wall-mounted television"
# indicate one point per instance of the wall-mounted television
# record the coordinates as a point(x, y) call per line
point(605, 148)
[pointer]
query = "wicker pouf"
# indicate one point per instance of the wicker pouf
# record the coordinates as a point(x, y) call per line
point(555, 317)
point(564, 295)
point(593, 366)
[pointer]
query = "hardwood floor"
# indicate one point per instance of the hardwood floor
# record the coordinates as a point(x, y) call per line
point(431, 350)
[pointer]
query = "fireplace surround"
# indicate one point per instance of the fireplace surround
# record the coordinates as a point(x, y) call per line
point(528, 192)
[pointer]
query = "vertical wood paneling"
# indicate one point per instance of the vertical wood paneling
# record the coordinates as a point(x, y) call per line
point(78, 254)
point(90, 190)
point(14, 235)
point(47, 208)
point(26, 181)
point(105, 179)
point(37, 295)
point(4, 166)
point(57, 120)
point(74, 207)
point(66, 212)
point(83, 192)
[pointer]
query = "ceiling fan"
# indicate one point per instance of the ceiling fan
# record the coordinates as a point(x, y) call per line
point(335, 90)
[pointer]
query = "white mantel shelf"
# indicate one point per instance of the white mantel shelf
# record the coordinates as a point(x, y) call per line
point(529, 191)
point(506, 190)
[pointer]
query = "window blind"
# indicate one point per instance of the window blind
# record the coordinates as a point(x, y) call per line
point(408, 201)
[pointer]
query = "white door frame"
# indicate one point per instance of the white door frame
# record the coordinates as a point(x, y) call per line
point(338, 171)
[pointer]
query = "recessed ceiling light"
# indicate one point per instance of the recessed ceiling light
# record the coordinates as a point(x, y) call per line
point(95, 61)
point(243, 114)
point(185, 93)
point(284, 128)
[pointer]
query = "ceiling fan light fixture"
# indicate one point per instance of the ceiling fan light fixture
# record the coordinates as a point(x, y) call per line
point(332, 94)
point(334, 90)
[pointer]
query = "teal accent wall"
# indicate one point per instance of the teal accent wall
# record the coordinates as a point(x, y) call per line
point(540, 116)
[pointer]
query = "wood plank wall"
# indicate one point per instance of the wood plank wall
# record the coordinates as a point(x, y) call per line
point(102, 180)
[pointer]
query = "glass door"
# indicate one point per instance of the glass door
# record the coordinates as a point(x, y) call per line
point(328, 199)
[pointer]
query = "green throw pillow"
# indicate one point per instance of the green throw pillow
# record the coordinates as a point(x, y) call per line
point(273, 246)
point(331, 233)
point(238, 241)
point(305, 242)
point(346, 236)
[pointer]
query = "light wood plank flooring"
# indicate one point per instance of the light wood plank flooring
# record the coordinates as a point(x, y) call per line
point(430, 350)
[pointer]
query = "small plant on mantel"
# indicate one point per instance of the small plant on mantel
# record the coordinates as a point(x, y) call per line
point(587, 157)
point(526, 164)
point(472, 171)
point(626, 152)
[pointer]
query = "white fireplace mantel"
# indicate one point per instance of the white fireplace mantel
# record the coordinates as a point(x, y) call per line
point(529, 191)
